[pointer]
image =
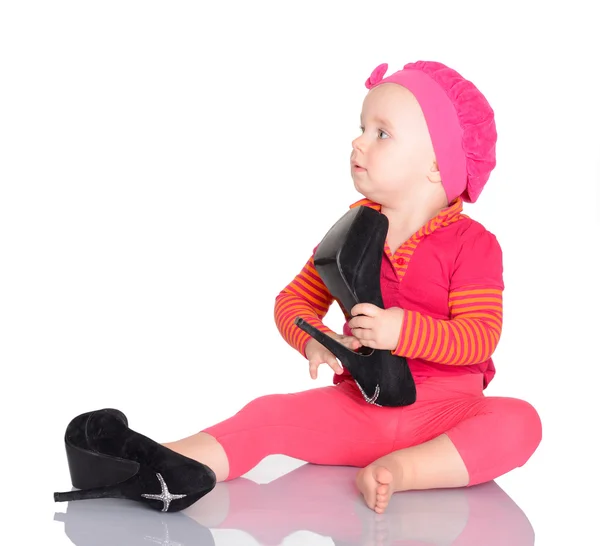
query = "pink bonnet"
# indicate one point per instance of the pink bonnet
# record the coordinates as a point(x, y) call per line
point(460, 122)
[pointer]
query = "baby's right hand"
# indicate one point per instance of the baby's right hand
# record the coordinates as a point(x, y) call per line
point(317, 354)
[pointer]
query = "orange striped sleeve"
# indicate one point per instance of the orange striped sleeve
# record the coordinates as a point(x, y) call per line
point(469, 337)
point(307, 297)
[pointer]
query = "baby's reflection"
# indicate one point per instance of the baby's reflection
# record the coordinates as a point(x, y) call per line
point(319, 499)
point(324, 500)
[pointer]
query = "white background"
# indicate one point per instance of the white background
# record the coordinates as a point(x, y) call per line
point(166, 168)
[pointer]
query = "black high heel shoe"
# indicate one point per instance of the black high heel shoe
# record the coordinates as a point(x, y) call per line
point(348, 260)
point(109, 460)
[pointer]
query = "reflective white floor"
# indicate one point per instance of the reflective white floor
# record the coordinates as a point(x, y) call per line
point(309, 505)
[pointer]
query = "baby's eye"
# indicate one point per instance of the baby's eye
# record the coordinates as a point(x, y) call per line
point(362, 129)
point(380, 132)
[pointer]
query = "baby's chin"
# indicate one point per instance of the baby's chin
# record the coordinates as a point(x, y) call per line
point(360, 188)
point(367, 193)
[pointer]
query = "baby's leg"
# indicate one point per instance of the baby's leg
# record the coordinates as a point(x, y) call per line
point(330, 425)
point(453, 437)
point(206, 449)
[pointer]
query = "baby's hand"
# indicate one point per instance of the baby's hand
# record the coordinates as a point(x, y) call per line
point(375, 327)
point(317, 354)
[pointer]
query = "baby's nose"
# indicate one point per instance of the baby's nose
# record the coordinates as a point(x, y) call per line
point(356, 143)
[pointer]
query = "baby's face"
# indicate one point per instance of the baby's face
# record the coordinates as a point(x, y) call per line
point(394, 153)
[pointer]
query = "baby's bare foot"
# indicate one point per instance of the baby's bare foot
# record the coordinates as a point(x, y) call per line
point(376, 483)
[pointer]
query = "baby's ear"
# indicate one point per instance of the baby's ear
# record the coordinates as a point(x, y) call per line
point(434, 174)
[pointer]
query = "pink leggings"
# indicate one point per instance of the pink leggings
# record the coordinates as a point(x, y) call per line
point(334, 426)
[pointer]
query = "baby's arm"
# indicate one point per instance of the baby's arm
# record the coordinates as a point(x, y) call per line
point(473, 331)
point(307, 297)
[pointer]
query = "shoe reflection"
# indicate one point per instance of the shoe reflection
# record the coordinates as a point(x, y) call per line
point(316, 499)
point(118, 522)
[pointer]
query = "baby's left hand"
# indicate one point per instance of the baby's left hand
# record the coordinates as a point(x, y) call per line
point(379, 329)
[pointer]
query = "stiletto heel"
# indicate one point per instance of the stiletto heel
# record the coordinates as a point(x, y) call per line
point(133, 488)
point(338, 349)
point(109, 460)
point(117, 491)
point(348, 260)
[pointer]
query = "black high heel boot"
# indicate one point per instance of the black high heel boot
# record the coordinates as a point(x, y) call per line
point(109, 460)
point(348, 260)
